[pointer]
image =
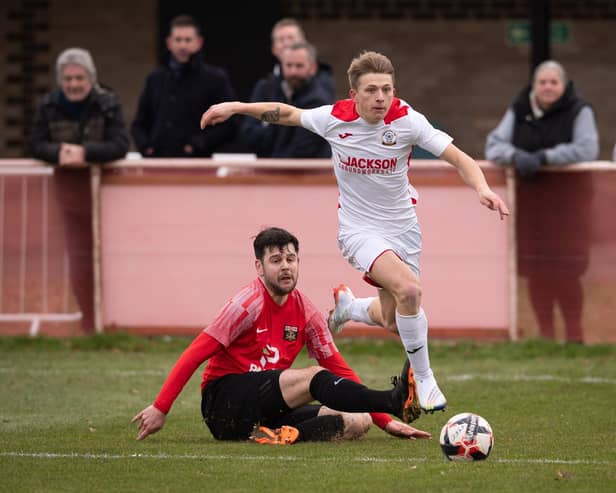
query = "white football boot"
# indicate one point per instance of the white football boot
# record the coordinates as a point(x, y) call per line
point(341, 313)
point(430, 396)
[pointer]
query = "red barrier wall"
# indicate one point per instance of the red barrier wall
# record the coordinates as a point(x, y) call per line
point(173, 253)
point(567, 256)
point(176, 244)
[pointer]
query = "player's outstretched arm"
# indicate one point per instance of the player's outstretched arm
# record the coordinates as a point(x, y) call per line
point(472, 175)
point(402, 430)
point(270, 112)
point(150, 421)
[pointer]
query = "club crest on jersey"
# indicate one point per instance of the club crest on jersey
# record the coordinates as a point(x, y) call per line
point(388, 138)
point(290, 333)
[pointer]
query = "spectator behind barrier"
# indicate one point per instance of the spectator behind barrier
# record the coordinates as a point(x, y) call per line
point(288, 31)
point(298, 87)
point(550, 124)
point(170, 105)
point(80, 121)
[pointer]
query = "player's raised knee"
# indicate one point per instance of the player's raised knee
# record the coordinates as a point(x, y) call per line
point(409, 293)
point(311, 371)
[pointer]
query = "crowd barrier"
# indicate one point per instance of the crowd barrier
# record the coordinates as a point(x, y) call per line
point(173, 241)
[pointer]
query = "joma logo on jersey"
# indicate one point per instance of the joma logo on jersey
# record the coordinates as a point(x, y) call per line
point(290, 333)
point(367, 163)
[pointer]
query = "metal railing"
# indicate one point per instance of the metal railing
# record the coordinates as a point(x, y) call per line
point(21, 309)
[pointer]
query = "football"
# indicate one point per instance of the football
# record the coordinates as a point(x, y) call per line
point(466, 437)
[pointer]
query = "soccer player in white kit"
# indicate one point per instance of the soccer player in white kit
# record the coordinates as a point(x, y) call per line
point(372, 135)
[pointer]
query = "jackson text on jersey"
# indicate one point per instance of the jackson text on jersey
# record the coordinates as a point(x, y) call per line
point(367, 166)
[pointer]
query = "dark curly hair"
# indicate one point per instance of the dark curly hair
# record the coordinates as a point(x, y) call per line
point(273, 237)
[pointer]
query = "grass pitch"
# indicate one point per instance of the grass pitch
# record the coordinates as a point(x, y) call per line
point(66, 405)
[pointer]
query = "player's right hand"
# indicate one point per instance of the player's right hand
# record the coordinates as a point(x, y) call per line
point(150, 421)
point(216, 113)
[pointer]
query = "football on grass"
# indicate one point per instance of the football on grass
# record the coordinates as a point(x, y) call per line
point(466, 437)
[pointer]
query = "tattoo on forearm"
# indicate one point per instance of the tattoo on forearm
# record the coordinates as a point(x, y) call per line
point(271, 116)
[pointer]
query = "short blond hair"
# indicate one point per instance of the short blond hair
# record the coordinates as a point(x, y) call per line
point(369, 62)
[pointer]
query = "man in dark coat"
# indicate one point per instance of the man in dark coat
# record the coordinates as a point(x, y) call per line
point(173, 98)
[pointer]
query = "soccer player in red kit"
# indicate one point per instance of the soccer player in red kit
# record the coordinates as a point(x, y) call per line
point(249, 389)
point(372, 135)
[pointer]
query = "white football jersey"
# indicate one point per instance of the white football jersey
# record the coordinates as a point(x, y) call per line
point(371, 162)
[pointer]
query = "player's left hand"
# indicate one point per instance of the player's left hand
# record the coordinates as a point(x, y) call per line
point(493, 202)
point(402, 430)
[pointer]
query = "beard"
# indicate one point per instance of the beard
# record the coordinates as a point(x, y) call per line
point(278, 290)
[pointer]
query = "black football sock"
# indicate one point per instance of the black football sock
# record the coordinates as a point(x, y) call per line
point(321, 428)
point(343, 394)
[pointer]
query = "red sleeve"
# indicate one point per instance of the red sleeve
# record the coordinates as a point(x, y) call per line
point(338, 366)
point(202, 348)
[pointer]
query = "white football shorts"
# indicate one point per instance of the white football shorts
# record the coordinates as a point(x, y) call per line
point(362, 248)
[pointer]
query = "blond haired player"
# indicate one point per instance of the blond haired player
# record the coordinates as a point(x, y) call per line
point(372, 135)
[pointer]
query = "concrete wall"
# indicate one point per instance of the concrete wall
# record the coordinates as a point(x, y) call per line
point(176, 244)
point(174, 253)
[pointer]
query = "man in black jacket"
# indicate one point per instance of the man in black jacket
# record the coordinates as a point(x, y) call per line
point(300, 87)
point(80, 122)
point(173, 98)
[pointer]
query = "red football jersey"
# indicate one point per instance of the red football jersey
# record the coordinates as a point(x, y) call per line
point(257, 334)
point(253, 333)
